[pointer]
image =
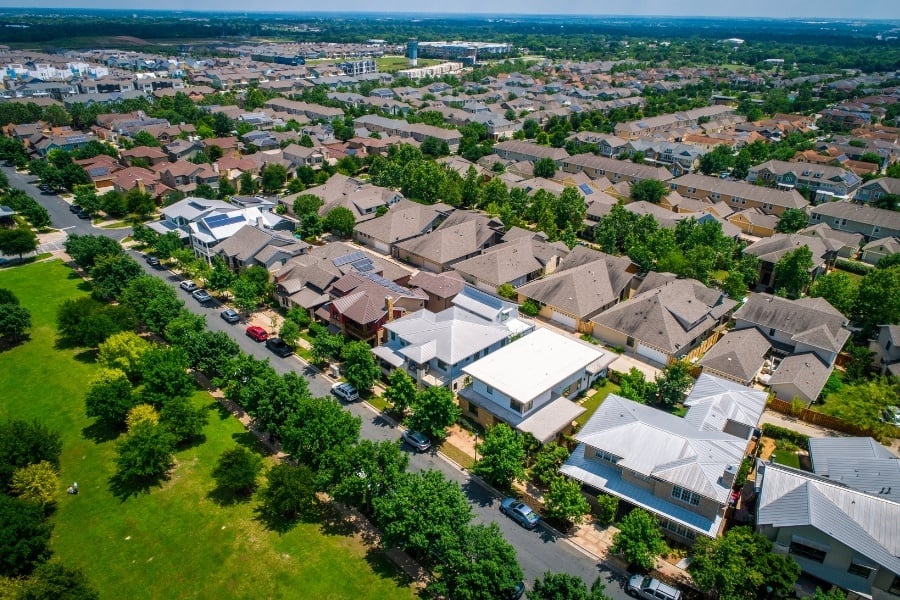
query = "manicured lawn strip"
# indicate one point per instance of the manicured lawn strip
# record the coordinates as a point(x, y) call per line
point(593, 402)
point(786, 457)
point(174, 540)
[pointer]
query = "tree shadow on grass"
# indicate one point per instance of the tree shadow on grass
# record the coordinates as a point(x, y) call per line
point(123, 487)
point(224, 413)
point(88, 356)
point(9, 344)
point(338, 524)
point(283, 523)
point(100, 432)
point(228, 497)
point(384, 567)
point(84, 286)
point(250, 442)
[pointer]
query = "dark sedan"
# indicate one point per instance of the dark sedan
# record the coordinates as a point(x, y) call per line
point(279, 347)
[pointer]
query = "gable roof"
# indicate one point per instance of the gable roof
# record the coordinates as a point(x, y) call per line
point(772, 249)
point(439, 285)
point(403, 220)
point(859, 213)
point(805, 371)
point(249, 240)
point(511, 260)
point(714, 401)
point(461, 234)
point(740, 189)
point(860, 463)
point(667, 313)
point(657, 444)
point(868, 524)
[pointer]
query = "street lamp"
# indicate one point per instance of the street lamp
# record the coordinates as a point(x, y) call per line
point(476, 446)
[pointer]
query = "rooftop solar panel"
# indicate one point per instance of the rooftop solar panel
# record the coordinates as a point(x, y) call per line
point(340, 261)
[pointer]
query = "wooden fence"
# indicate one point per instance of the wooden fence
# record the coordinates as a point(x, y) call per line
point(816, 418)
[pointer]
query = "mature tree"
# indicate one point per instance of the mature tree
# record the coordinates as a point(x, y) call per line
point(719, 160)
point(36, 483)
point(109, 398)
point(123, 351)
point(607, 507)
point(165, 375)
point(562, 586)
point(544, 167)
point(734, 284)
point(146, 452)
point(477, 564)
point(183, 327)
point(141, 414)
point(289, 332)
point(141, 204)
point(878, 299)
point(246, 294)
point(19, 241)
point(366, 471)
point(24, 536)
point(326, 346)
point(565, 502)
point(433, 411)
point(673, 382)
point(24, 443)
point(857, 368)
point(85, 322)
point(359, 363)
point(220, 278)
point(639, 539)
point(792, 220)
point(792, 272)
point(740, 565)
point(863, 404)
point(306, 204)
point(832, 594)
point(237, 470)
point(273, 177)
point(635, 386)
point(317, 427)
point(56, 581)
point(435, 148)
point(340, 221)
point(838, 288)
point(547, 462)
point(84, 249)
point(422, 513)
point(111, 274)
point(183, 420)
point(144, 138)
point(209, 351)
point(290, 492)
point(650, 190)
point(15, 321)
point(401, 391)
point(502, 456)
point(569, 210)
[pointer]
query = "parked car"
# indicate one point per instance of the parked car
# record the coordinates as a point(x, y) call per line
point(188, 285)
point(151, 260)
point(4, 261)
point(648, 588)
point(201, 296)
point(520, 512)
point(74, 208)
point(230, 315)
point(279, 347)
point(345, 392)
point(417, 440)
point(83, 214)
point(518, 591)
point(257, 333)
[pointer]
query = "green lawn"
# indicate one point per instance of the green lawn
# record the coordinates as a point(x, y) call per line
point(174, 541)
point(593, 402)
point(786, 457)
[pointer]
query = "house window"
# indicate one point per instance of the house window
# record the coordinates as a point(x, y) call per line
point(473, 410)
point(442, 365)
point(808, 552)
point(678, 529)
point(604, 455)
point(895, 586)
point(686, 496)
point(771, 332)
point(629, 342)
point(860, 570)
point(489, 389)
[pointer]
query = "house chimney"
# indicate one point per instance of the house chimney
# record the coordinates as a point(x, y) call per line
point(389, 307)
point(140, 185)
point(729, 475)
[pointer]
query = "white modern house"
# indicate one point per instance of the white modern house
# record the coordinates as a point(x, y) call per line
point(433, 347)
point(530, 383)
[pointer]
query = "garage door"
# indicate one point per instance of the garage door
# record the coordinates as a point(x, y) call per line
point(564, 320)
point(381, 247)
point(651, 353)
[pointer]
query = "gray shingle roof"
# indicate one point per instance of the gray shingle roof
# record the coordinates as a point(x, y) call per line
point(805, 371)
point(404, 220)
point(862, 214)
point(463, 233)
point(812, 321)
point(738, 353)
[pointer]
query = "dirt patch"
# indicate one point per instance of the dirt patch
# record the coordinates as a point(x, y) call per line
point(767, 447)
point(127, 39)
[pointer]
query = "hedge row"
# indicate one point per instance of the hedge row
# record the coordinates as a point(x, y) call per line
point(852, 266)
point(788, 435)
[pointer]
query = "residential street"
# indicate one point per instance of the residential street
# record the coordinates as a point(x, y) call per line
point(538, 551)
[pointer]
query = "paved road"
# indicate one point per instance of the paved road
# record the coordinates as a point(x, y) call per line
point(538, 551)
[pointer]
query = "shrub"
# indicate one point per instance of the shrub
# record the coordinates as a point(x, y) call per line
point(852, 266)
point(530, 308)
point(788, 435)
point(607, 507)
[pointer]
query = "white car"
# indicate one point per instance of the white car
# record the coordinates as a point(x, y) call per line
point(188, 285)
point(345, 392)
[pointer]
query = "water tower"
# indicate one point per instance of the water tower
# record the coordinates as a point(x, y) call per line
point(412, 52)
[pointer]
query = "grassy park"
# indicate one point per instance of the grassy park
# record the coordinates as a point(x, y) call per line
point(179, 539)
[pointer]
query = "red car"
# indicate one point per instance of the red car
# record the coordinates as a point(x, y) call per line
point(257, 333)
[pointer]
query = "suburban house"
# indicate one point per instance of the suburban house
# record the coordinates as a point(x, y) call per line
point(585, 284)
point(877, 189)
point(754, 222)
point(403, 220)
point(433, 347)
point(520, 150)
point(739, 355)
point(667, 319)
point(682, 470)
point(301, 156)
point(828, 183)
point(530, 382)
point(805, 334)
point(844, 243)
point(873, 223)
point(514, 261)
point(662, 124)
point(860, 463)
point(886, 350)
point(878, 249)
point(614, 170)
point(151, 156)
point(186, 176)
point(462, 235)
point(440, 288)
point(362, 302)
point(361, 198)
point(840, 534)
point(772, 249)
point(738, 195)
point(256, 246)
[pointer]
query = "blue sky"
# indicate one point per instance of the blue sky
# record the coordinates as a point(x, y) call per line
point(868, 9)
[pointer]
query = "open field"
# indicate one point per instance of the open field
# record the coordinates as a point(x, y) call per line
point(180, 540)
